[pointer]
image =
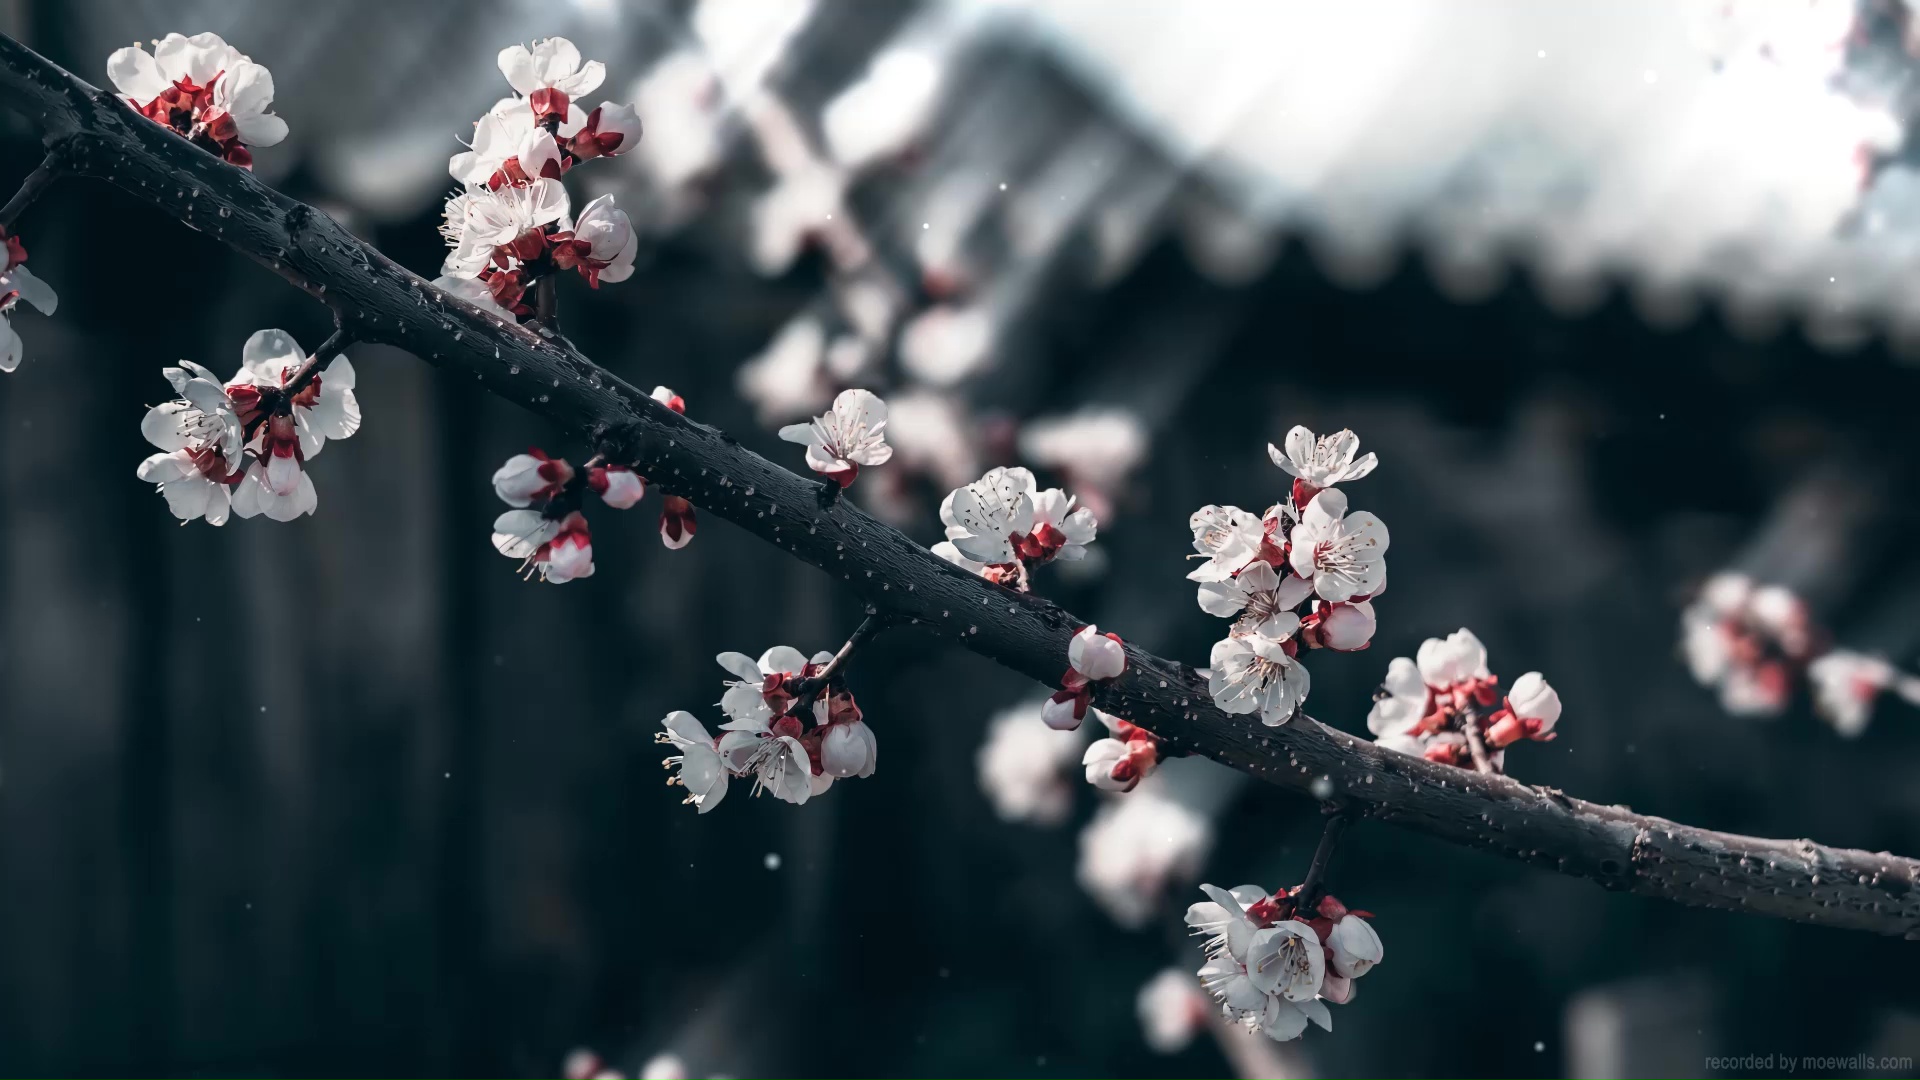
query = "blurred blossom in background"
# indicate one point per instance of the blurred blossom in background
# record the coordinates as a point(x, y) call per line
point(1622, 293)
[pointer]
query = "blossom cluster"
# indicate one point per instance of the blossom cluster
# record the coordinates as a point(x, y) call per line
point(1003, 524)
point(792, 725)
point(547, 530)
point(511, 227)
point(242, 447)
point(204, 89)
point(18, 283)
point(1303, 573)
point(1276, 962)
point(1747, 640)
point(1751, 642)
point(1439, 704)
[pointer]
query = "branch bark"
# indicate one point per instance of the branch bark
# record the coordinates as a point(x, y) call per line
point(377, 301)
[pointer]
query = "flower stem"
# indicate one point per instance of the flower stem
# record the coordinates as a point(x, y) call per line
point(1470, 727)
point(1339, 816)
point(37, 182)
point(808, 689)
point(546, 304)
point(335, 344)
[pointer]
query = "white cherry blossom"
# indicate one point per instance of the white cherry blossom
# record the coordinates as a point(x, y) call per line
point(1136, 846)
point(1532, 708)
point(849, 749)
point(601, 245)
point(1254, 673)
point(777, 763)
point(1405, 701)
point(880, 114)
point(1253, 596)
point(204, 89)
point(1342, 627)
point(1094, 450)
point(551, 64)
point(1095, 655)
point(984, 517)
point(1286, 959)
point(531, 477)
point(1321, 463)
point(325, 408)
point(851, 434)
point(617, 485)
point(1023, 766)
point(18, 283)
point(788, 378)
point(1227, 537)
point(1117, 766)
point(757, 686)
point(701, 770)
point(1222, 919)
point(801, 206)
point(1356, 946)
point(558, 549)
point(1343, 554)
point(1062, 529)
point(1846, 685)
point(1457, 658)
point(609, 130)
point(1171, 1008)
point(481, 219)
point(508, 148)
point(200, 439)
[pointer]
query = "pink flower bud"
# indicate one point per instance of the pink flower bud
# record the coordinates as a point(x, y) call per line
point(1097, 656)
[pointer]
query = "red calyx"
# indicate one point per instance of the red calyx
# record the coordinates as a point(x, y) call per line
point(1040, 545)
point(16, 251)
point(676, 518)
point(571, 254)
point(509, 289)
point(843, 477)
point(591, 142)
point(549, 105)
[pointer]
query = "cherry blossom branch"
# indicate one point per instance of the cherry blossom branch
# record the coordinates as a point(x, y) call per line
point(805, 690)
point(36, 183)
point(335, 344)
point(377, 301)
point(1476, 746)
point(1338, 818)
point(546, 303)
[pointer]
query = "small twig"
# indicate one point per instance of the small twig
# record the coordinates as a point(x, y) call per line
point(546, 304)
point(808, 689)
point(37, 181)
point(1338, 818)
point(1470, 727)
point(335, 344)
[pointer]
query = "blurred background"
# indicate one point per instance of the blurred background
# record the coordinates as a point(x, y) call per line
point(1622, 294)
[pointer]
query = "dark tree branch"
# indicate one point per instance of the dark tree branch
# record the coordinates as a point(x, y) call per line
point(36, 183)
point(379, 301)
